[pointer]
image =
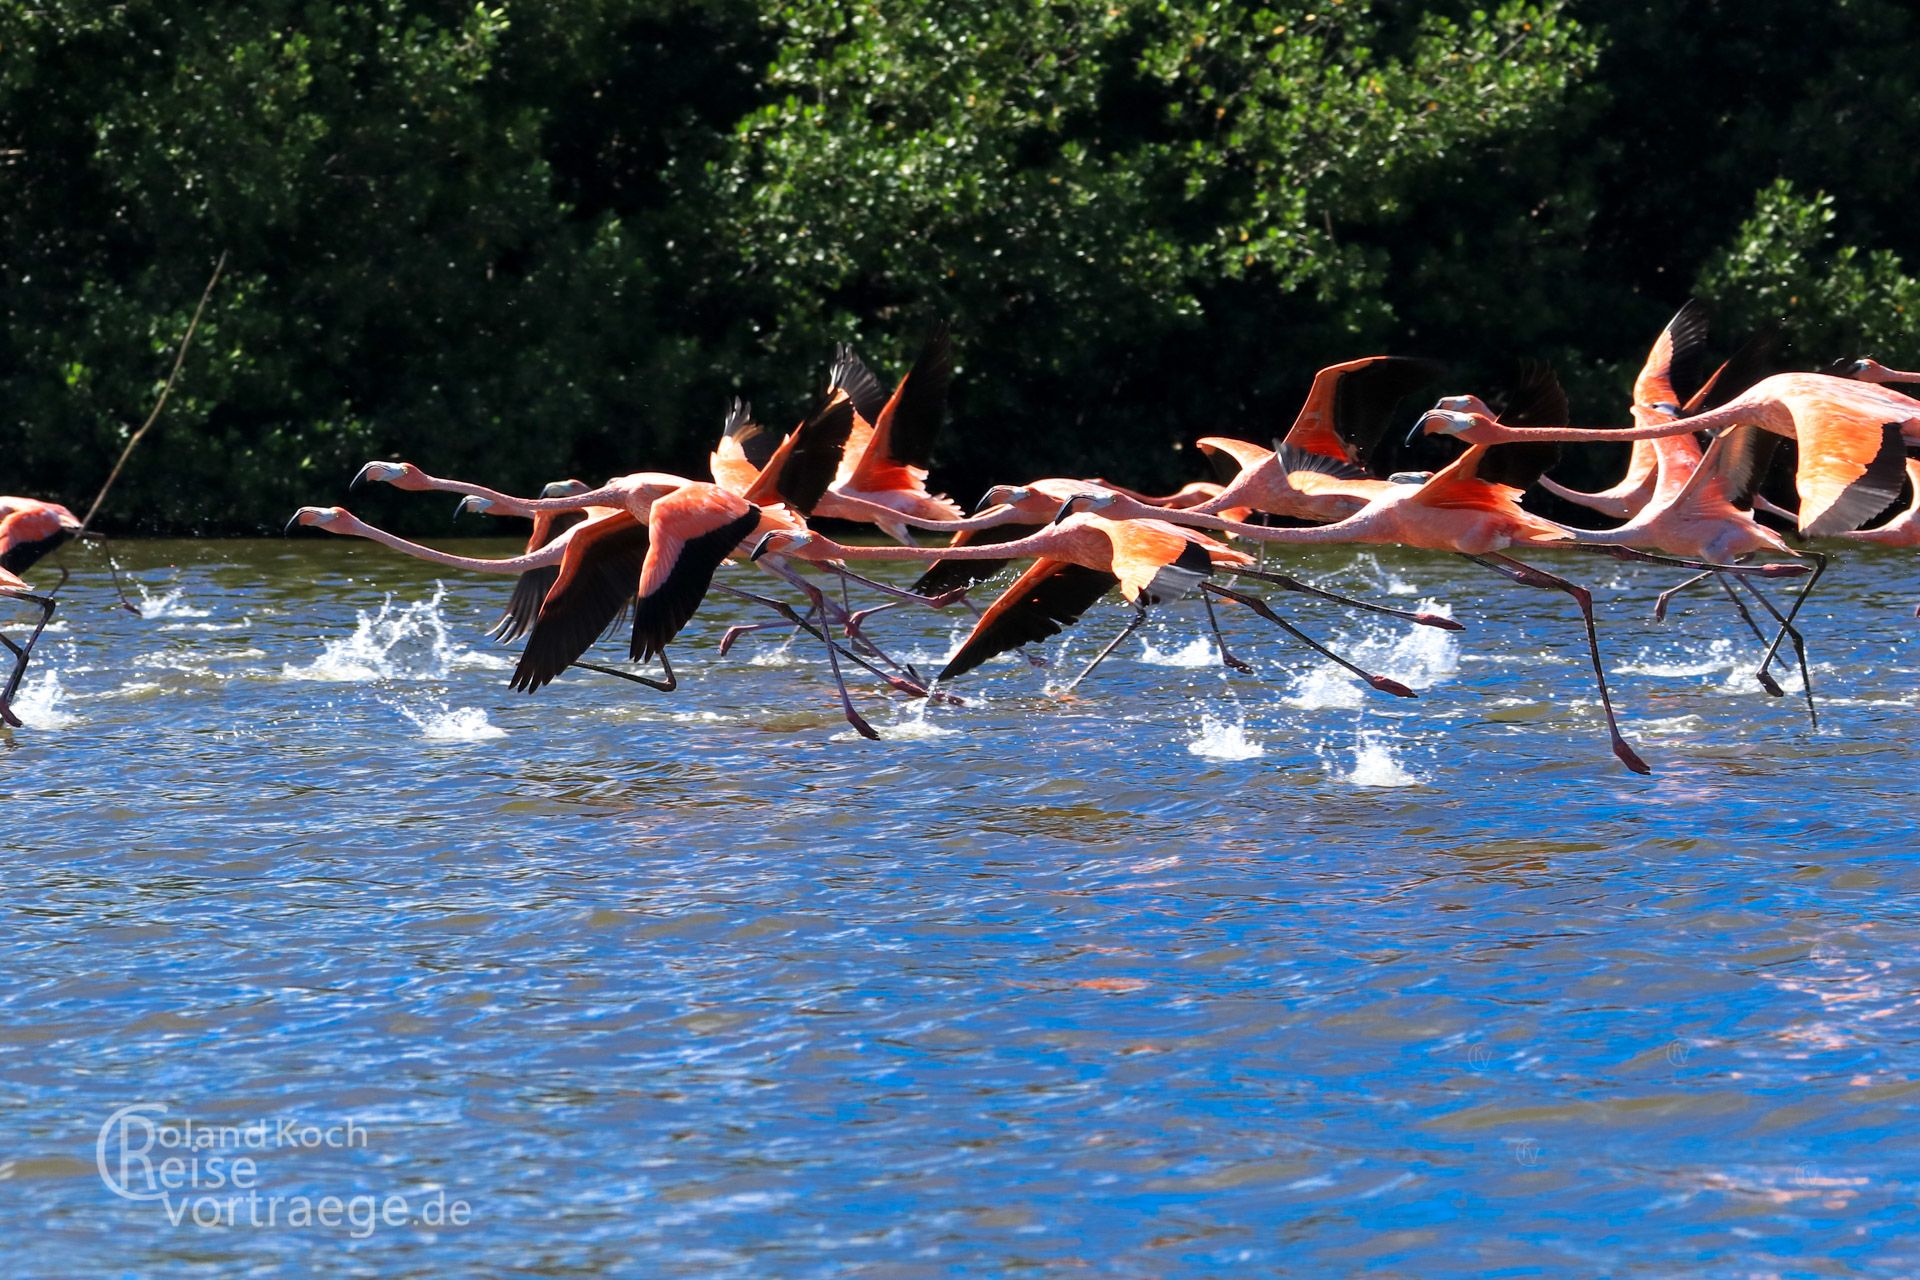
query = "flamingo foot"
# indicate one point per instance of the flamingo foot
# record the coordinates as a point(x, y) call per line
point(1394, 687)
point(1629, 757)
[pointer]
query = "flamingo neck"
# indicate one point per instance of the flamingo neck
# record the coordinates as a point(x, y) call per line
point(547, 555)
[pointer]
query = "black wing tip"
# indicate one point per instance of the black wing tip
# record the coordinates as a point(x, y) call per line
point(1877, 488)
point(1294, 458)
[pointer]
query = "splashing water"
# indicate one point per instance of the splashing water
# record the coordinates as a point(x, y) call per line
point(169, 605)
point(407, 643)
point(913, 725)
point(1375, 764)
point(1419, 657)
point(1197, 652)
point(1378, 577)
point(41, 701)
point(440, 723)
point(1219, 739)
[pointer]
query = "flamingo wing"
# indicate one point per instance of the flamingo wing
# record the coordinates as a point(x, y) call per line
point(1536, 400)
point(1350, 405)
point(1850, 470)
point(523, 607)
point(692, 532)
point(901, 447)
point(596, 580)
point(743, 451)
point(800, 470)
point(1230, 457)
point(951, 575)
point(1041, 603)
point(1673, 360)
point(850, 375)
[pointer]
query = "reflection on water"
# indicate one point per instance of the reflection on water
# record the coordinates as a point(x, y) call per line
point(1187, 973)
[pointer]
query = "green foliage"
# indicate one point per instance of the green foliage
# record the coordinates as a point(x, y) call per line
point(1784, 263)
point(521, 240)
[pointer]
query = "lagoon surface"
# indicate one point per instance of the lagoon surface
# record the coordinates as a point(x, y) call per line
point(1192, 973)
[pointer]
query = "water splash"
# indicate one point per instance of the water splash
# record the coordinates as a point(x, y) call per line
point(1367, 567)
point(913, 725)
point(1220, 739)
point(1375, 763)
point(1419, 657)
point(169, 605)
point(1197, 652)
point(439, 723)
point(41, 701)
point(406, 643)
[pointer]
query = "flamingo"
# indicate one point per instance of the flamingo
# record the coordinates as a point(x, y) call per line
point(13, 587)
point(883, 476)
point(1317, 471)
point(1852, 438)
point(663, 566)
point(1655, 399)
point(1078, 560)
point(1904, 529)
point(1456, 510)
point(31, 529)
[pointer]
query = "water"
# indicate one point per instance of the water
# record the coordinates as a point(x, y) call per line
point(1188, 973)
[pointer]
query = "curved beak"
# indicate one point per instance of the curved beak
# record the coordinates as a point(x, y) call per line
point(760, 547)
point(292, 522)
point(1066, 509)
point(986, 501)
point(473, 502)
point(1419, 428)
point(359, 478)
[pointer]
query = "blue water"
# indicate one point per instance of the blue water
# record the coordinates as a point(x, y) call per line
point(1188, 974)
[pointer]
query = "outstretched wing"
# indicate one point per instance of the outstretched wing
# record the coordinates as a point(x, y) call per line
point(803, 466)
point(850, 375)
point(1670, 375)
point(597, 578)
point(692, 531)
point(950, 575)
point(1537, 400)
point(1041, 603)
point(1350, 405)
point(904, 433)
point(523, 607)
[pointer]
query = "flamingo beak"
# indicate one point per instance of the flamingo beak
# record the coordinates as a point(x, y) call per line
point(359, 477)
point(760, 547)
point(1066, 509)
point(291, 523)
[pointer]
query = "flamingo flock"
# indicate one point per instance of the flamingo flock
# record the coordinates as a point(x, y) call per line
point(653, 544)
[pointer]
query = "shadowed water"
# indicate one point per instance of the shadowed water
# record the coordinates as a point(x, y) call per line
point(1189, 974)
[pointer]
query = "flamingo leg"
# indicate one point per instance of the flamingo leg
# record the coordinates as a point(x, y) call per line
point(1774, 570)
point(1661, 601)
point(22, 654)
point(854, 718)
point(113, 569)
point(803, 624)
point(1820, 562)
point(1139, 616)
point(1799, 650)
point(1259, 606)
point(667, 685)
point(1767, 682)
point(1528, 576)
point(19, 669)
point(1226, 658)
point(1290, 583)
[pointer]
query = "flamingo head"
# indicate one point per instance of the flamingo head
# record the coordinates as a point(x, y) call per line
point(1003, 495)
point(565, 489)
point(1864, 369)
point(787, 542)
point(1462, 424)
point(1098, 500)
point(401, 475)
point(475, 503)
point(323, 517)
point(1463, 404)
